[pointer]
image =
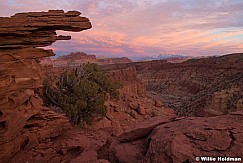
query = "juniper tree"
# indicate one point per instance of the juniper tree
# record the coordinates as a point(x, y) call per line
point(80, 93)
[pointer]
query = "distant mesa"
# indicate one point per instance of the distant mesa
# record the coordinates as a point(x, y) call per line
point(174, 58)
point(113, 60)
point(78, 58)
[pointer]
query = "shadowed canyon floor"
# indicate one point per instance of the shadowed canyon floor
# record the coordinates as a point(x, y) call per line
point(137, 128)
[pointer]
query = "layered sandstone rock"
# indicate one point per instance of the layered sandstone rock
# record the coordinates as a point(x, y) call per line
point(24, 122)
point(127, 76)
point(227, 100)
point(161, 139)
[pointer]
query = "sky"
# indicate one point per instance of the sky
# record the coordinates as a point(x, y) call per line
point(137, 28)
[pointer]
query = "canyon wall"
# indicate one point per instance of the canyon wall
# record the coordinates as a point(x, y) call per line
point(194, 85)
point(197, 86)
point(24, 122)
point(127, 77)
point(227, 100)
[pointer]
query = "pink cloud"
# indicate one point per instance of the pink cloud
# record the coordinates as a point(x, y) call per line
point(135, 27)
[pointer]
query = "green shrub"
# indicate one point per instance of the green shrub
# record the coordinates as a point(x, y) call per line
point(80, 93)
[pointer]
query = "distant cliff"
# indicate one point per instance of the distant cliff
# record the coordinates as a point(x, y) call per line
point(78, 58)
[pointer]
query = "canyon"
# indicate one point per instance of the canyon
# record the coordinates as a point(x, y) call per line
point(193, 87)
point(154, 120)
point(199, 87)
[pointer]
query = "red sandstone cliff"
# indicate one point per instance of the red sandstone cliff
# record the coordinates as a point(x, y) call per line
point(128, 78)
point(24, 122)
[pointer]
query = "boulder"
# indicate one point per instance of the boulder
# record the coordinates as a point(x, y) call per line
point(158, 103)
point(133, 105)
point(141, 110)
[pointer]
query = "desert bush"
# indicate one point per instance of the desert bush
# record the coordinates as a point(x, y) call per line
point(80, 93)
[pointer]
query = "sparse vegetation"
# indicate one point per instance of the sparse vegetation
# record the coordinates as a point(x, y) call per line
point(80, 93)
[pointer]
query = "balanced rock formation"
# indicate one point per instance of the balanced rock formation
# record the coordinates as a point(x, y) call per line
point(24, 122)
point(170, 139)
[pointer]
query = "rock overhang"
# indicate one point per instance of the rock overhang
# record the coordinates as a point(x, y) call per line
point(37, 29)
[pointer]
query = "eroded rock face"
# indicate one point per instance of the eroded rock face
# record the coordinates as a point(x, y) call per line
point(227, 100)
point(127, 76)
point(24, 122)
point(180, 139)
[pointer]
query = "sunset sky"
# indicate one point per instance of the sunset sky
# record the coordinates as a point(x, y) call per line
point(136, 28)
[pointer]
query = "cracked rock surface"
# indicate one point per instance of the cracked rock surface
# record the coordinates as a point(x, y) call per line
point(181, 140)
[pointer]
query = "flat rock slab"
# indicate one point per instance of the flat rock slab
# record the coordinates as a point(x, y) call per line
point(142, 129)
